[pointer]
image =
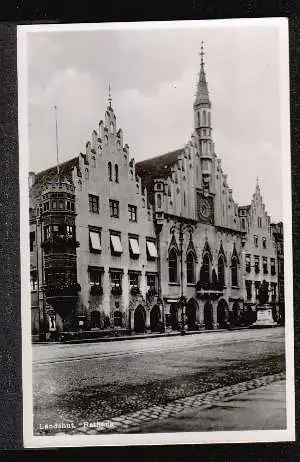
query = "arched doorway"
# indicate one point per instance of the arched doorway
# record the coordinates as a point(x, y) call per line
point(222, 314)
point(191, 314)
point(208, 316)
point(174, 317)
point(154, 318)
point(235, 314)
point(140, 319)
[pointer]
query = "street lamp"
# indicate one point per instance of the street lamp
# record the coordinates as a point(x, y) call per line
point(182, 228)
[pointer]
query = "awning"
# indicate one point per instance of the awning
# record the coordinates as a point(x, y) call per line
point(95, 240)
point(134, 245)
point(151, 249)
point(116, 243)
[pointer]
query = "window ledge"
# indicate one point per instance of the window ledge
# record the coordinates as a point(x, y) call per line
point(235, 287)
point(174, 284)
point(191, 284)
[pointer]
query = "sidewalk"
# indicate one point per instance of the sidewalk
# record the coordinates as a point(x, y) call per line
point(137, 336)
point(262, 408)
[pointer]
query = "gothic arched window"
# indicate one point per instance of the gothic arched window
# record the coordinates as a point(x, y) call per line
point(109, 171)
point(234, 272)
point(198, 115)
point(221, 272)
point(173, 271)
point(205, 270)
point(93, 161)
point(204, 117)
point(86, 173)
point(116, 173)
point(208, 118)
point(158, 201)
point(190, 268)
point(184, 198)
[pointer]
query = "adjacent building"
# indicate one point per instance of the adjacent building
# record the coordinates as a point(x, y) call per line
point(155, 244)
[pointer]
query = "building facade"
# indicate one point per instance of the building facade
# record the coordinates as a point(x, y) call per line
point(156, 244)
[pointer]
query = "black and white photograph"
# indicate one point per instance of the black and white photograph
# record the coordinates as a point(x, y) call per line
point(156, 250)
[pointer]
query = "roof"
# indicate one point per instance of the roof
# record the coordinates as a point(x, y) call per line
point(155, 168)
point(49, 175)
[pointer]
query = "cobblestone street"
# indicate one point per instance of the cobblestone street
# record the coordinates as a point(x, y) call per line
point(122, 384)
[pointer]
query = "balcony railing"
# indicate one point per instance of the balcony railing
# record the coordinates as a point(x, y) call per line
point(62, 289)
point(60, 241)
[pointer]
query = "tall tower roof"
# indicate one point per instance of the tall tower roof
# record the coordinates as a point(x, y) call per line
point(202, 95)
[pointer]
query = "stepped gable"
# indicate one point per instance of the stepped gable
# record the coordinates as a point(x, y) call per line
point(50, 175)
point(156, 168)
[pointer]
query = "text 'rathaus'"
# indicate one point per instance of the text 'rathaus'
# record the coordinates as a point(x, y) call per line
point(119, 246)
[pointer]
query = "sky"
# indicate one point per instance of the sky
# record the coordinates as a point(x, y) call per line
point(153, 76)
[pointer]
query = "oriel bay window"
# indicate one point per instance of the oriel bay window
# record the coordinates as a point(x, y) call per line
point(115, 243)
point(190, 268)
point(95, 239)
point(173, 266)
point(134, 248)
point(33, 280)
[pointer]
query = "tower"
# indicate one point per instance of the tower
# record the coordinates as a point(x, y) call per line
point(202, 124)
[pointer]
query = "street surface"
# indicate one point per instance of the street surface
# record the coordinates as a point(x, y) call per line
point(75, 382)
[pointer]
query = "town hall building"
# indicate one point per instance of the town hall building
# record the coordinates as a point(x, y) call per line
point(154, 245)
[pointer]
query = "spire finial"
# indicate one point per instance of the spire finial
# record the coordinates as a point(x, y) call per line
point(202, 54)
point(109, 95)
point(257, 182)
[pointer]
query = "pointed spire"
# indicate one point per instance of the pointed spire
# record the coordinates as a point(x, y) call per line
point(202, 95)
point(109, 95)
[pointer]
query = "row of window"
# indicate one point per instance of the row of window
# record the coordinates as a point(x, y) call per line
point(264, 242)
point(116, 244)
point(116, 277)
point(205, 272)
point(114, 208)
point(265, 264)
point(249, 285)
point(58, 204)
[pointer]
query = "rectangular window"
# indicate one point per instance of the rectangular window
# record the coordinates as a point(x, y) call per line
point(93, 203)
point(132, 213)
point(151, 250)
point(273, 268)
point(116, 246)
point(95, 239)
point(257, 286)
point(256, 241)
point(133, 279)
point(249, 289)
point(256, 264)
point(273, 291)
point(265, 265)
point(70, 231)
point(95, 276)
point(32, 240)
point(151, 281)
point(33, 280)
point(116, 282)
point(47, 232)
point(134, 247)
point(264, 243)
point(114, 208)
point(54, 204)
point(248, 263)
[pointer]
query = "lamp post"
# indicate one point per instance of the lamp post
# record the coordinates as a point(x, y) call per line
point(182, 228)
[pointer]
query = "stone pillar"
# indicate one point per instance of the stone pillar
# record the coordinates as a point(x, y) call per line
point(148, 329)
point(131, 314)
point(215, 314)
point(201, 314)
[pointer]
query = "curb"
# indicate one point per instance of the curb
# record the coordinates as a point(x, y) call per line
point(138, 337)
point(133, 420)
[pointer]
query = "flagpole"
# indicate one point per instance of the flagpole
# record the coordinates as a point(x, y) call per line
point(56, 134)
